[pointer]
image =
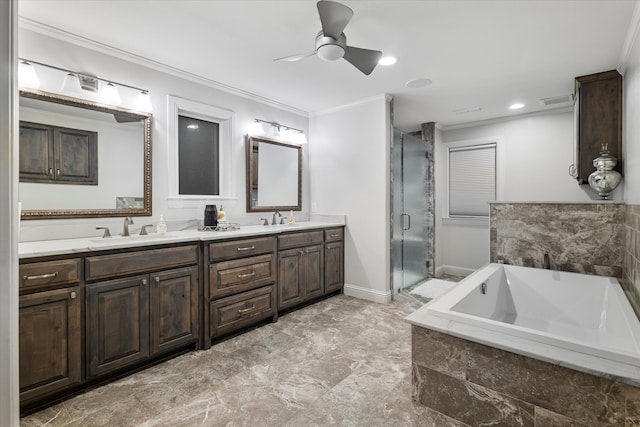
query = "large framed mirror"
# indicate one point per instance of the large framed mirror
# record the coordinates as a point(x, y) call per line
point(274, 175)
point(79, 158)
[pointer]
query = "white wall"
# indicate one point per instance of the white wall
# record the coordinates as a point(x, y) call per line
point(535, 152)
point(631, 126)
point(72, 54)
point(349, 163)
point(9, 410)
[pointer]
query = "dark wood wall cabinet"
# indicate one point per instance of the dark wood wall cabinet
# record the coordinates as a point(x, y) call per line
point(57, 155)
point(598, 120)
point(93, 316)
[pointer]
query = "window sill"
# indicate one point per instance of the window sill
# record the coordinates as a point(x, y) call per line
point(178, 202)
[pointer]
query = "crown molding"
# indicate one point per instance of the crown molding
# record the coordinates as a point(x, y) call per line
point(376, 98)
point(77, 40)
point(630, 39)
point(445, 128)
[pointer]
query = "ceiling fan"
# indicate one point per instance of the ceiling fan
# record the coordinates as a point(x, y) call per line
point(331, 43)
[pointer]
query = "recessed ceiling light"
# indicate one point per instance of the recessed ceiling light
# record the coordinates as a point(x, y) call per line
point(516, 106)
point(387, 60)
point(418, 83)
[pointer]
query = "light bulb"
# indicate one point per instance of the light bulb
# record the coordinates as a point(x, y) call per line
point(286, 134)
point(110, 94)
point(300, 138)
point(71, 84)
point(256, 128)
point(144, 102)
point(27, 76)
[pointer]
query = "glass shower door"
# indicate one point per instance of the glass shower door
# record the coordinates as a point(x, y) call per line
point(410, 210)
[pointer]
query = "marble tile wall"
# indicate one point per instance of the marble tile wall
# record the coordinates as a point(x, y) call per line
point(631, 278)
point(579, 237)
point(480, 385)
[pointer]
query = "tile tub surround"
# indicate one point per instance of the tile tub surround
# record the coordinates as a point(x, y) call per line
point(579, 237)
point(476, 384)
point(342, 361)
point(631, 280)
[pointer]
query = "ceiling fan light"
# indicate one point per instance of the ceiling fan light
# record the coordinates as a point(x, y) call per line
point(330, 52)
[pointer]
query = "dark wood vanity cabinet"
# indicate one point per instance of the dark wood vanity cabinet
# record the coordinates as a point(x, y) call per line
point(241, 284)
point(333, 260)
point(300, 268)
point(50, 327)
point(54, 154)
point(137, 317)
point(598, 120)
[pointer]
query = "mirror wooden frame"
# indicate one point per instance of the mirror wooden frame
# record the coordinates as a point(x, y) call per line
point(253, 173)
point(133, 115)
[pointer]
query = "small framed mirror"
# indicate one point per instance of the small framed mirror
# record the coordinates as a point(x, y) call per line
point(274, 175)
point(81, 159)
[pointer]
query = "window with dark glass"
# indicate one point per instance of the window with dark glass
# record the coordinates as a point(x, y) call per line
point(198, 157)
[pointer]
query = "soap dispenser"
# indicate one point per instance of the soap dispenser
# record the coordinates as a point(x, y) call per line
point(222, 216)
point(291, 219)
point(161, 228)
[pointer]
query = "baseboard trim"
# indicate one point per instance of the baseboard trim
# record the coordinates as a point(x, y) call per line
point(454, 270)
point(367, 294)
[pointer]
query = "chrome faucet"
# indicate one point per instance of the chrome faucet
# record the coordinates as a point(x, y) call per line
point(273, 220)
point(547, 263)
point(125, 228)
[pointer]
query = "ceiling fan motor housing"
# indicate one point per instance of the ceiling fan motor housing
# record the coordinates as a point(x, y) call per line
point(330, 49)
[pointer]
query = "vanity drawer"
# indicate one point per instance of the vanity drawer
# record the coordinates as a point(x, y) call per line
point(333, 234)
point(235, 312)
point(241, 248)
point(295, 240)
point(49, 273)
point(109, 266)
point(229, 277)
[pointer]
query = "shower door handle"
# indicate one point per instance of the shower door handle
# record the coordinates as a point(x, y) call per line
point(408, 222)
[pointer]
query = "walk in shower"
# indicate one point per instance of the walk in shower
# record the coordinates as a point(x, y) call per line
point(412, 209)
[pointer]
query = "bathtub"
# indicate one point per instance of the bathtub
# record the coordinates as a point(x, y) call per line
point(580, 321)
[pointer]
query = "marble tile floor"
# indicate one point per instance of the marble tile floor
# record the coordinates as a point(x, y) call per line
point(342, 361)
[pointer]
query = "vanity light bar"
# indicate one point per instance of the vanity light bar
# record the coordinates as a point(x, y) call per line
point(298, 138)
point(88, 82)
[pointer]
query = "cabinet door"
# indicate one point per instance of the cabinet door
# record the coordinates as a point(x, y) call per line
point(76, 155)
point(117, 324)
point(333, 266)
point(289, 278)
point(36, 152)
point(50, 343)
point(174, 309)
point(313, 278)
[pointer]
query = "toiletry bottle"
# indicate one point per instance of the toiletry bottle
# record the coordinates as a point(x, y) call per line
point(210, 216)
point(161, 228)
point(222, 215)
point(291, 219)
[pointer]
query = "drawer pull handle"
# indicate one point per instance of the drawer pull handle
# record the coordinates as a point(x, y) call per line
point(73, 295)
point(41, 276)
point(334, 235)
point(244, 310)
point(157, 279)
point(248, 248)
point(144, 281)
point(244, 276)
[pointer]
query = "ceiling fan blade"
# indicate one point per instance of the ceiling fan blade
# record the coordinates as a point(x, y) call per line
point(334, 17)
point(294, 58)
point(364, 60)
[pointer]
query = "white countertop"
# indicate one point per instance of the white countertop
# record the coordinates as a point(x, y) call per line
point(91, 244)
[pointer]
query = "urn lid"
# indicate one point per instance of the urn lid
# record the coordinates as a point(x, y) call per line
point(605, 162)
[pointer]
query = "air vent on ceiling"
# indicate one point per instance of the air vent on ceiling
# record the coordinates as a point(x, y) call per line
point(564, 99)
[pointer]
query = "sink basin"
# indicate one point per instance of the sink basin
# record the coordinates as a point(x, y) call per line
point(116, 240)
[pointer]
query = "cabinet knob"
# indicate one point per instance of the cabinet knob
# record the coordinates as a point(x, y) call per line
point(58, 172)
point(144, 281)
point(73, 295)
point(51, 172)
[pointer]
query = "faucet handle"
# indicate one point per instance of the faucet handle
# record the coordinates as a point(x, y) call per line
point(143, 230)
point(106, 234)
point(266, 222)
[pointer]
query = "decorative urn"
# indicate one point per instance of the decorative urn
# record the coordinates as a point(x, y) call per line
point(604, 180)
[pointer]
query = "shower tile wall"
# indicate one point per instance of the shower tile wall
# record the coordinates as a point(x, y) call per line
point(579, 237)
point(429, 135)
point(632, 255)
